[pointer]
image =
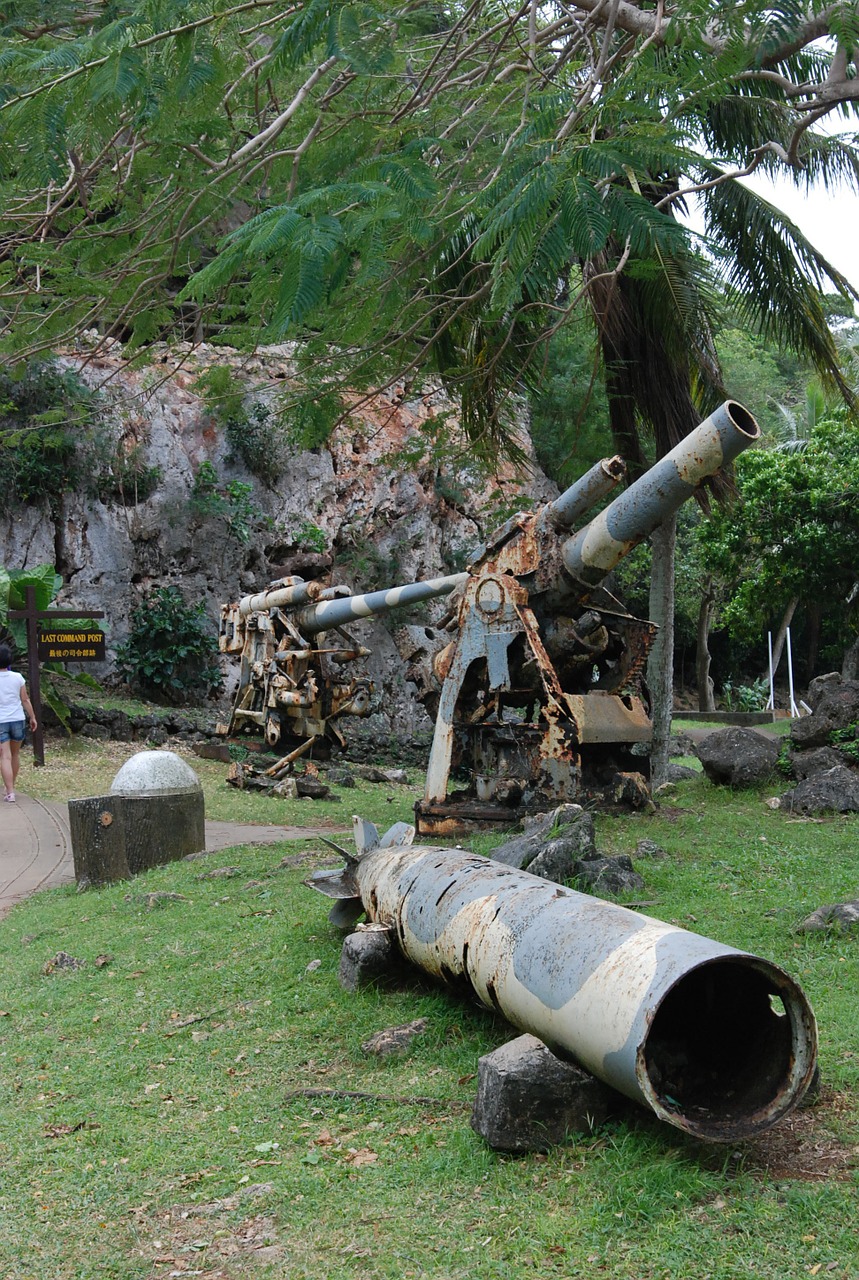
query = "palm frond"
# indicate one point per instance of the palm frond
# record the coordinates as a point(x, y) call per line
point(776, 274)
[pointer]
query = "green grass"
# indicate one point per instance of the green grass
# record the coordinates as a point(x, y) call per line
point(152, 1119)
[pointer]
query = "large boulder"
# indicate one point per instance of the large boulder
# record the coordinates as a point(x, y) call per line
point(805, 764)
point(837, 791)
point(737, 757)
point(837, 708)
point(529, 1100)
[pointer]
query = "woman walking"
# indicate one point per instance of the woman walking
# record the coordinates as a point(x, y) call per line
point(15, 709)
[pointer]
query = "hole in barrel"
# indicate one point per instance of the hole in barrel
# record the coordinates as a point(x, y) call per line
point(743, 420)
point(720, 1044)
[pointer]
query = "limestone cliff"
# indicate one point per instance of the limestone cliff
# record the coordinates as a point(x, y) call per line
point(372, 507)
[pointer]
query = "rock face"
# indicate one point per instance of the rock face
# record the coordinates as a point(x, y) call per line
point(737, 757)
point(346, 506)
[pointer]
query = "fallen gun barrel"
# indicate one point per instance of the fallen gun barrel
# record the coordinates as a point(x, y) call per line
point(715, 1041)
point(595, 550)
point(337, 613)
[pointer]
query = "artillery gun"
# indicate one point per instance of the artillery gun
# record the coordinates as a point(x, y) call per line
point(295, 680)
point(536, 677)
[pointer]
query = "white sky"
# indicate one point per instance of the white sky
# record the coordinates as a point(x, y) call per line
point(830, 220)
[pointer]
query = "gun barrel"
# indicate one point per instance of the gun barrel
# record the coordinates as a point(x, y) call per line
point(336, 613)
point(585, 492)
point(595, 550)
point(715, 1041)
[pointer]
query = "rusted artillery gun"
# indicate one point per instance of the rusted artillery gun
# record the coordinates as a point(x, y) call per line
point(717, 1042)
point(535, 680)
point(295, 683)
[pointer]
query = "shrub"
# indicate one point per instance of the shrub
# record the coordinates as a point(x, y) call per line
point(233, 501)
point(170, 654)
point(51, 442)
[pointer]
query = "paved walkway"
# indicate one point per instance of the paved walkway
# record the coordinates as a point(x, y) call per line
point(36, 847)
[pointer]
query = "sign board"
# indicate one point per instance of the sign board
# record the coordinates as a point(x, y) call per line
point(33, 616)
point(62, 645)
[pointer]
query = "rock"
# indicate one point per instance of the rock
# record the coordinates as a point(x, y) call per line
point(820, 687)
point(98, 731)
point(312, 788)
point(394, 1039)
point(213, 751)
point(738, 757)
point(836, 791)
point(157, 736)
point(341, 777)
point(679, 773)
point(153, 901)
point(62, 960)
point(805, 764)
point(836, 709)
point(631, 790)
point(836, 918)
point(572, 839)
point(649, 849)
point(366, 957)
point(680, 744)
point(607, 877)
point(371, 773)
point(554, 861)
point(287, 789)
point(529, 1100)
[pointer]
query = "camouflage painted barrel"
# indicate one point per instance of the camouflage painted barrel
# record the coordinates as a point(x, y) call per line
point(585, 493)
point(717, 1042)
point(337, 613)
point(595, 550)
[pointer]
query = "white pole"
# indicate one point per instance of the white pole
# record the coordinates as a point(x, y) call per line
point(771, 704)
point(794, 709)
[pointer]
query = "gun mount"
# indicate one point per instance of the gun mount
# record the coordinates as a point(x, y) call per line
point(536, 681)
point(294, 686)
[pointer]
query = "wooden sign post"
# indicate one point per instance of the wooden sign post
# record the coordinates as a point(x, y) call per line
point(57, 644)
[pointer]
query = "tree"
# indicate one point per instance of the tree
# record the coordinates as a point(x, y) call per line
point(792, 536)
point(427, 187)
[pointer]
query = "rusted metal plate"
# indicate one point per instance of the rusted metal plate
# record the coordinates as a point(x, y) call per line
point(602, 717)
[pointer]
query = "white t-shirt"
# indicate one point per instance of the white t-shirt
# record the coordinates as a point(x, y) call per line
point(11, 684)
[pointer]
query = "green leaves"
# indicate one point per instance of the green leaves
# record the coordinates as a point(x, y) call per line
point(793, 532)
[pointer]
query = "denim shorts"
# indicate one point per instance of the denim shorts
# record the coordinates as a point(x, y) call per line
point(14, 729)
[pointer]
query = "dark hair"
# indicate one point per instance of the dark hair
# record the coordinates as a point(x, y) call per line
point(5, 656)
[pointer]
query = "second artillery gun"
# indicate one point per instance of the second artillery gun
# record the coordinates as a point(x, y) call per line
point(296, 678)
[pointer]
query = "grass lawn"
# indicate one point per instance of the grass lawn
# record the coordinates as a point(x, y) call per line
point(163, 1108)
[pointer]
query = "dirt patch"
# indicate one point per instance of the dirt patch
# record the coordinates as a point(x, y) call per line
point(208, 1240)
point(802, 1147)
